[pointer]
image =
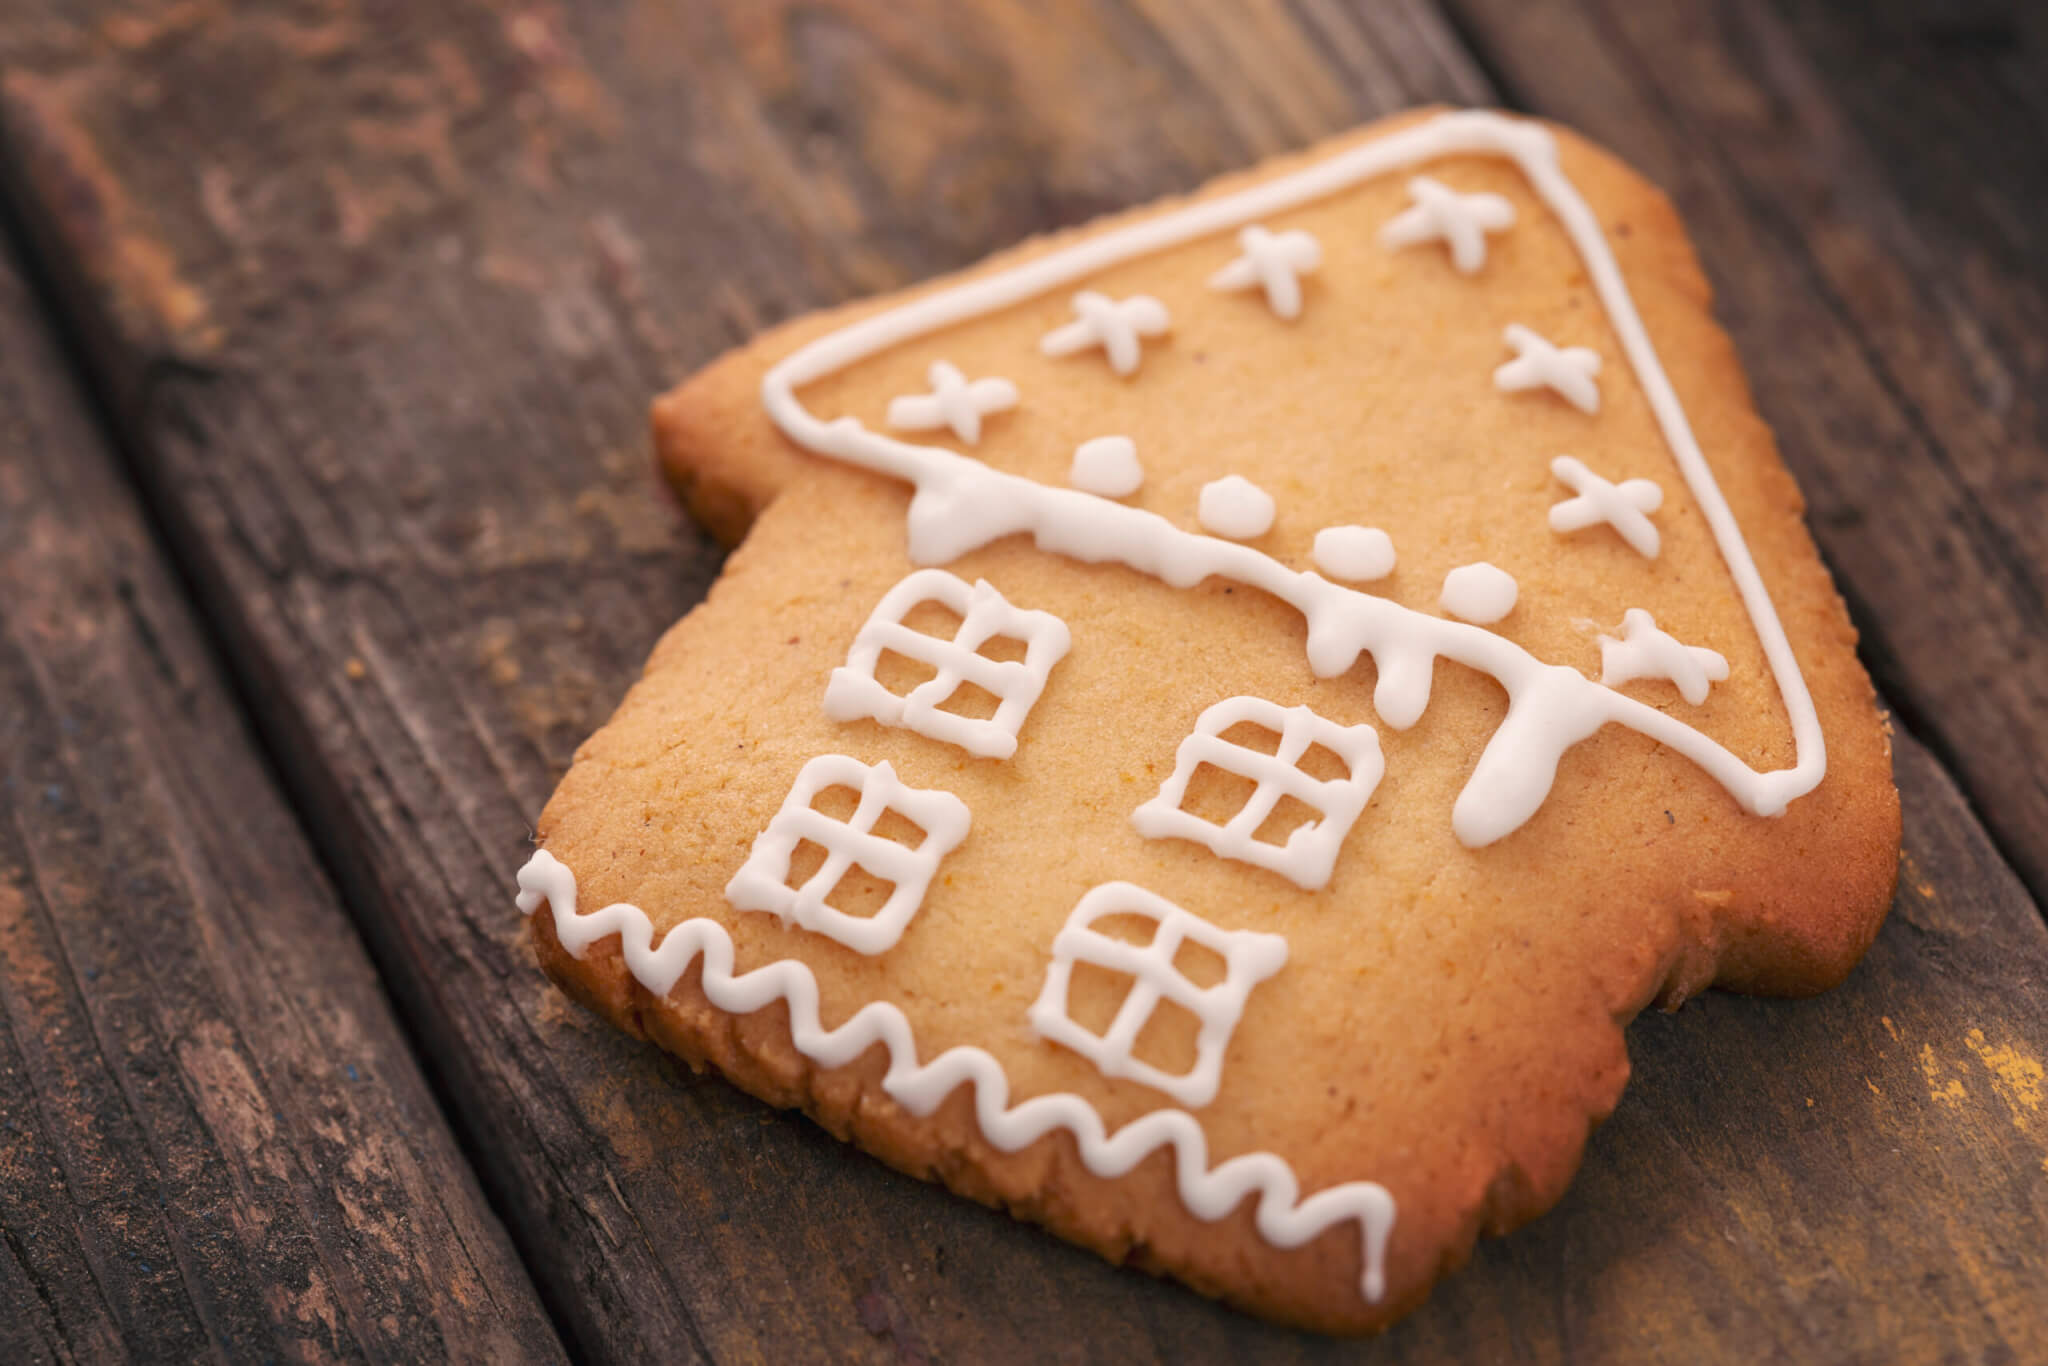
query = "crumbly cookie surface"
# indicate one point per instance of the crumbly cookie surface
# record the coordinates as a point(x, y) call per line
point(1352, 1050)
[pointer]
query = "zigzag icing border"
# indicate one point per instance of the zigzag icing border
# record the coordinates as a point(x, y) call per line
point(1284, 1217)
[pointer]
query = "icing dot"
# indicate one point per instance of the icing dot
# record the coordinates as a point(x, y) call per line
point(1107, 465)
point(1478, 592)
point(1234, 506)
point(1357, 554)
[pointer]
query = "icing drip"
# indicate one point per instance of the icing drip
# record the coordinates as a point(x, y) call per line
point(1478, 592)
point(1625, 506)
point(1115, 325)
point(761, 884)
point(1309, 856)
point(1644, 651)
point(1358, 554)
point(1275, 263)
point(1249, 958)
point(1107, 465)
point(961, 504)
point(1284, 1217)
point(1460, 221)
point(1234, 506)
point(953, 402)
point(1538, 364)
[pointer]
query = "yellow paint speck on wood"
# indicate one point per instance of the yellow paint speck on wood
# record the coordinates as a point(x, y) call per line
point(2017, 1078)
point(1949, 1091)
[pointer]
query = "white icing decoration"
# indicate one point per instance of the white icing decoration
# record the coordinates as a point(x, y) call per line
point(1274, 262)
point(1309, 856)
point(1249, 958)
point(954, 402)
point(1115, 325)
point(1539, 364)
point(762, 884)
point(1461, 221)
point(853, 693)
point(1283, 1216)
point(1645, 651)
point(1234, 506)
point(961, 504)
point(1478, 592)
point(1107, 465)
point(1358, 554)
point(1625, 506)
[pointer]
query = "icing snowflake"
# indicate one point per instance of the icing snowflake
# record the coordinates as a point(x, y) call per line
point(954, 402)
point(1234, 506)
point(1274, 262)
point(1249, 958)
point(1645, 651)
point(1539, 364)
point(1478, 593)
point(1107, 465)
point(1356, 554)
point(1460, 221)
point(1310, 854)
point(1115, 325)
point(853, 693)
point(1625, 506)
point(762, 883)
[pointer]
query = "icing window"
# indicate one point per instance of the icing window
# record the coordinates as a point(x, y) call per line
point(995, 661)
point(1269, 782)
point(876, 860)
point(1133, 934)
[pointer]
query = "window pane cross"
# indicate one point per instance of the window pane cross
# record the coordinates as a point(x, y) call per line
point(853, 693)
point(1309, 856)
point(1249, 958)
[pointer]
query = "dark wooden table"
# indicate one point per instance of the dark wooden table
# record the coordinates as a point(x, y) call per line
point(327, 529)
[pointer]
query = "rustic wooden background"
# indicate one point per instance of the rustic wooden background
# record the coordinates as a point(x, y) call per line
point(327, 530)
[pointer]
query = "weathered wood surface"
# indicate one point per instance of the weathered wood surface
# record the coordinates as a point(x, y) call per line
point(214, 1140)
point(1865, 182)
point(379, 291)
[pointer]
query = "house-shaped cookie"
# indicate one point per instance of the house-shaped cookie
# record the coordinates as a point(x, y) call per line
point(1215, 719)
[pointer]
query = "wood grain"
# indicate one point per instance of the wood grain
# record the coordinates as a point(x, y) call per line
point(1865, 183)
point(214, 1141)
point(379, 291)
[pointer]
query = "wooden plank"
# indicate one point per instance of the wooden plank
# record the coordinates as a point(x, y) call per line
point(385, 294)
point(1865, 182)
point(214, 1141)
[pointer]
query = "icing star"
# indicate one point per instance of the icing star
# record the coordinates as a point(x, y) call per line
point(954, 402)
point(1644, 651)
point(1112, 324)
point(1460, 220)
point(1274, 261)
point(1623, 506)
point(1538, 363)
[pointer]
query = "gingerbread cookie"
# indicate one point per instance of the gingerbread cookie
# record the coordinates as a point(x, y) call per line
point(1220, 717)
